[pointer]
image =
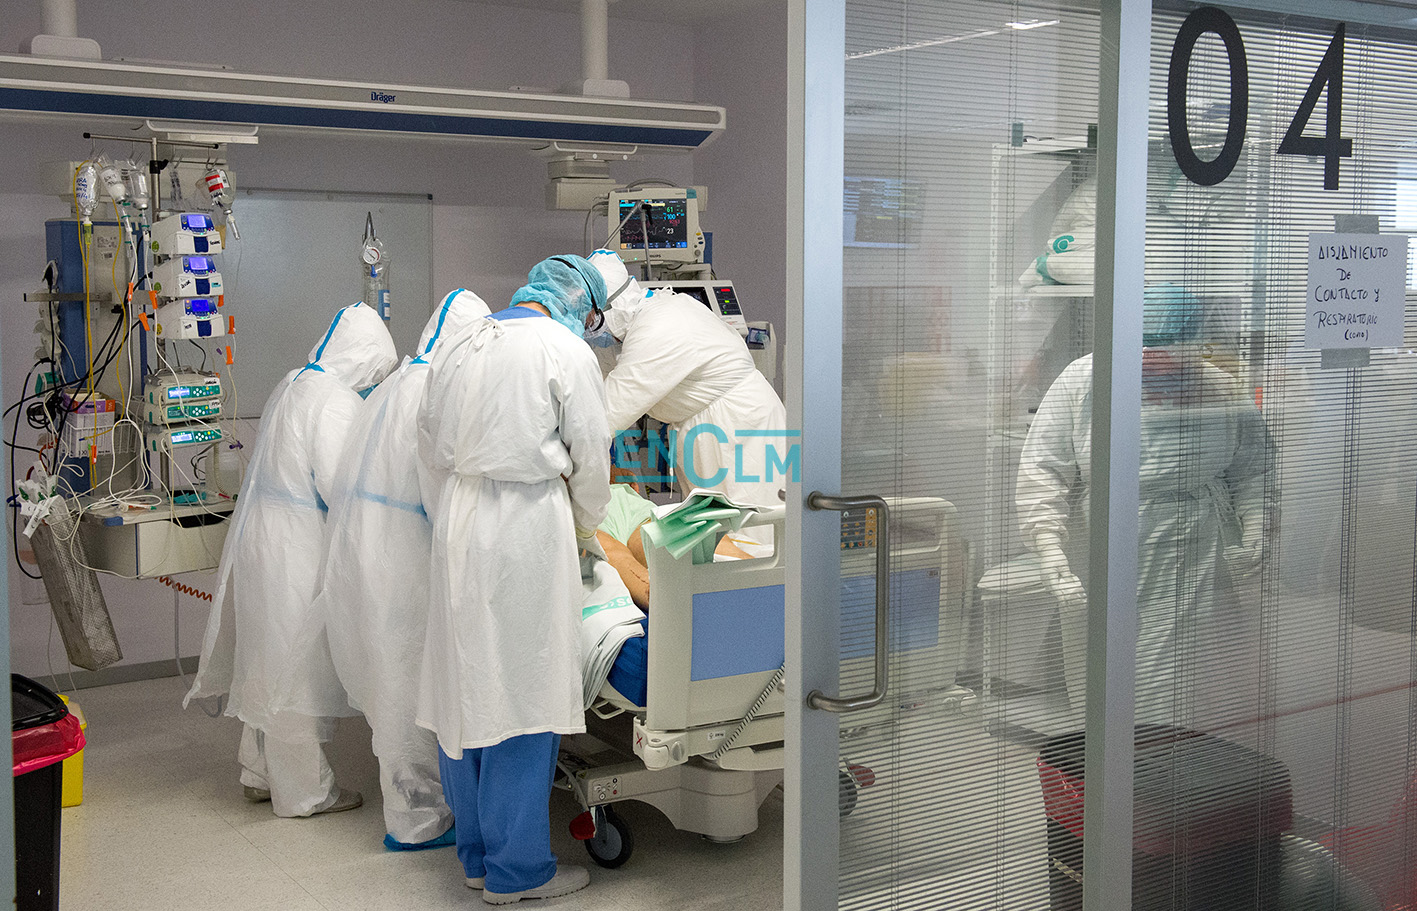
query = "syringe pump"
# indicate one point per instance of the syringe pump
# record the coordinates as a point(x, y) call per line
point(187, 276)
point(167, 388)
point(185, 234)
point(167, 439)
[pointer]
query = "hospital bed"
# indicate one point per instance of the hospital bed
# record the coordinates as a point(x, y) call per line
point(707, 749)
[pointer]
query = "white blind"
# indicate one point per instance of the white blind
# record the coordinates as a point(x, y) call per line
point(1289, 634)
point(1276, 654)
point(967, 133)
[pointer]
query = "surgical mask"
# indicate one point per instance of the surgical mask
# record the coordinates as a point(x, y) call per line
point(599, 338)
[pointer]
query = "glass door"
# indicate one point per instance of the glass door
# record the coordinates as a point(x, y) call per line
point(953, 222)
point(1011, 326)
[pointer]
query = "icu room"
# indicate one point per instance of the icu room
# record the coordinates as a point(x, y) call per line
point(755, 454)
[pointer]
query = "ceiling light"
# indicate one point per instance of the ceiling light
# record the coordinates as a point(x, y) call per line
point(933, 42)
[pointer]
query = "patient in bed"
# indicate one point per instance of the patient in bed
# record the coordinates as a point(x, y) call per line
point(619, 537)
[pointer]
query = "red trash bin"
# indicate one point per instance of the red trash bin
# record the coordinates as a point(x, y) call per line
point(43, 735)
point(1209, 820)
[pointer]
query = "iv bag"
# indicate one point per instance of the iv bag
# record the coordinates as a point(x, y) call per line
point(85, 191)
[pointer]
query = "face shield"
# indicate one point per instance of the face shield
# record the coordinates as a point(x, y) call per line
point(624, 296)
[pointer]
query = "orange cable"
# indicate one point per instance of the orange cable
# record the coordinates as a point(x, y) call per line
point(184, 589)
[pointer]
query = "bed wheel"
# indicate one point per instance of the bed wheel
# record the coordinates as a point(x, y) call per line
point(846, 794)
point(611, 845)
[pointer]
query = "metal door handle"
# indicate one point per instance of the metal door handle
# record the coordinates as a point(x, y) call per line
point(816, 699)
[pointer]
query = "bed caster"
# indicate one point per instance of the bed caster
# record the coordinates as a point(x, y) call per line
point(845, 794)
point(849, 782)
point(611, 845)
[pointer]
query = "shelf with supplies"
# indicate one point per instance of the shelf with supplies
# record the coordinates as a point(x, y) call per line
point(1043, 227)
point(1044, 291)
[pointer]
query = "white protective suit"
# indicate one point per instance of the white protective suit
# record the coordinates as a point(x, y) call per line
point(374, 605)
point(514, 419)
point(1204, 456)
point(683, 366)
point(284, 688)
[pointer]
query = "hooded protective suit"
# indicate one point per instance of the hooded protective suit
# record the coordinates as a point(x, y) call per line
point(374, 605)
point(1202, 517)
point(281, 685)
point(514, 420)
point(681, 365)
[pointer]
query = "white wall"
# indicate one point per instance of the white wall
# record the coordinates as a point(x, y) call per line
point(490, 224)
point(741, 63)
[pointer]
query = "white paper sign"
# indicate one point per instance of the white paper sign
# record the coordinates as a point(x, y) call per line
point(1357, 291)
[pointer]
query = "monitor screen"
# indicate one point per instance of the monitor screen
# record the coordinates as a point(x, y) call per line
point(881, 212)
point(697, 292)
point(665, 221)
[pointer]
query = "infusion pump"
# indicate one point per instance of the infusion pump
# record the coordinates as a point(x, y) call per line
point(718, 296)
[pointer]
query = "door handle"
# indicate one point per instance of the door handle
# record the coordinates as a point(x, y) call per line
point(816, 699)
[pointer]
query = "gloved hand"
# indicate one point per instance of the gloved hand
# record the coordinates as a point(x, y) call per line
point(588, 543)
point(1247, 557)
point(1062, 583)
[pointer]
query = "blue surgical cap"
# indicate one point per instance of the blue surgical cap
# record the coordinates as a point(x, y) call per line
point(1171, 314)
point(568, 286)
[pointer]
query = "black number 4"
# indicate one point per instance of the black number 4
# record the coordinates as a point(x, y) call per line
point(1331, 146)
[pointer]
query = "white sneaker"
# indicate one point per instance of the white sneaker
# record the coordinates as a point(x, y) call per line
point(569, 878)
point(476, 882)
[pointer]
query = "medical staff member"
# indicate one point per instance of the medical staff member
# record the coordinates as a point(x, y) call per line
point(514, 420)
point(374, 606)
point(1203, 519)
point(682, 365)
point(283, 686)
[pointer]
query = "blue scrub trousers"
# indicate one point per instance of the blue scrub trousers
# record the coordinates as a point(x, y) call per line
point(500, 798)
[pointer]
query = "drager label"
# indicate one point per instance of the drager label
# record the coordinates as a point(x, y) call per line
point(381, 97)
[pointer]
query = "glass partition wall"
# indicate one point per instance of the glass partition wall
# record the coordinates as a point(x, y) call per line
point(1273, 760)
point(1276, 611)
point(969, 204)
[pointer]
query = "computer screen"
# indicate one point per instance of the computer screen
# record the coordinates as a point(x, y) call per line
point(882, 212)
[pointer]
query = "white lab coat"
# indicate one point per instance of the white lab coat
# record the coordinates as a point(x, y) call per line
point(374, 605)
point(1202, 501)
point(270, 572)
point(514, 419)
point(683, 366)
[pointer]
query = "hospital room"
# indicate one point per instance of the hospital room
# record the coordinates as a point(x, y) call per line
point(796, 454)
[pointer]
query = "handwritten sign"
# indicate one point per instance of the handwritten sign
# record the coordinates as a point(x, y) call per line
point(1357, 290)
